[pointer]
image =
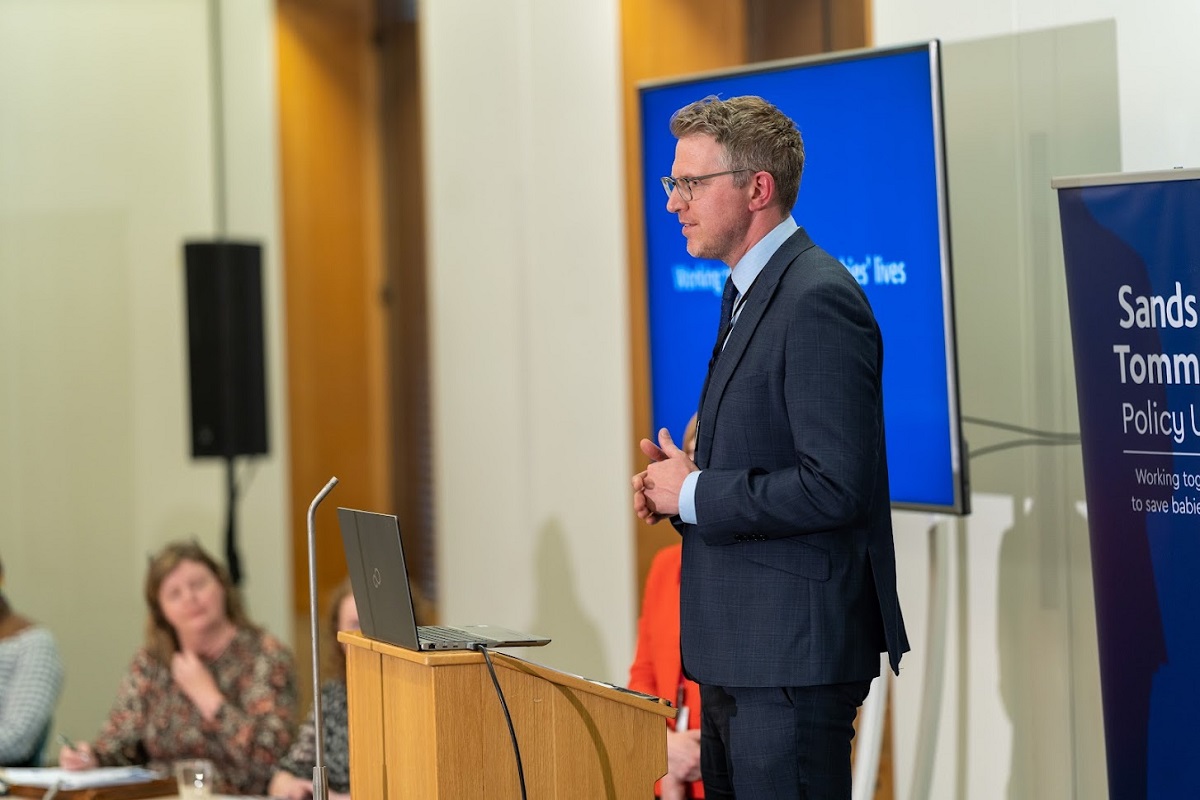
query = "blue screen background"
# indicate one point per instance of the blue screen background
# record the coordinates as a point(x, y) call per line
point(869, 197)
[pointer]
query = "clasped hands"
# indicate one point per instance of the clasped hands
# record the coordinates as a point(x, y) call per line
point(656, 488)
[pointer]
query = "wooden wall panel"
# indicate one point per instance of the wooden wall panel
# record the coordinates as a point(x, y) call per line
point(789, 28)
point(786, 28)
point(408, 337)
point(850, 25)
point(336, 354)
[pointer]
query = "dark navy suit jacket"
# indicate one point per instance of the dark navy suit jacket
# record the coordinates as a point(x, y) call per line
point(789, 577)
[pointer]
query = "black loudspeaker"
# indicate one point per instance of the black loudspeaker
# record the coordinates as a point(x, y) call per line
point(225, 348)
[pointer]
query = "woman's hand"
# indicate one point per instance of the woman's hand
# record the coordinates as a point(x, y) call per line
point(78, 757)
point(671, 788)
point(683, 754)
point(197, 683)
point(287, 786)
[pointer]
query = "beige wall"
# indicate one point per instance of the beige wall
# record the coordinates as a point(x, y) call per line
point(527, 301)
point(105, 168)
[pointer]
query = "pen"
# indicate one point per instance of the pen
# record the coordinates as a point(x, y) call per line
point(73, 747)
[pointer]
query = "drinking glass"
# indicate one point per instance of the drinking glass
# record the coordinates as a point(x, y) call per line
point(195, 777)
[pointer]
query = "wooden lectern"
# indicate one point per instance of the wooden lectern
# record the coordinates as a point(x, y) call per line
point(429, 726)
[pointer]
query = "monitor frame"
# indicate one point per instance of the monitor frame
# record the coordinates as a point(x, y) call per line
point(955, 461)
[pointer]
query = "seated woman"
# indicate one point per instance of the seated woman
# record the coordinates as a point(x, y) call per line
point(31, 678)
point(293, 778)
point(207, 683)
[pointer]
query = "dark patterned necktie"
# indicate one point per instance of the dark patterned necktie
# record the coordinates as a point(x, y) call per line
point(728, 298)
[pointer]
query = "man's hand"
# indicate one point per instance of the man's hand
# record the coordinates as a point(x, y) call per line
point(660, 483)
point(641, 506)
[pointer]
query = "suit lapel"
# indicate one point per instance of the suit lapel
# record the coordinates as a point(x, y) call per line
point(757, 300)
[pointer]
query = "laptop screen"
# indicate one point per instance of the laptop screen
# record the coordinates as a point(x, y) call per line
point(378, 576)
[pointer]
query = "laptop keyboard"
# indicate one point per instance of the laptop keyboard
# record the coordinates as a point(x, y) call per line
point(436, 633)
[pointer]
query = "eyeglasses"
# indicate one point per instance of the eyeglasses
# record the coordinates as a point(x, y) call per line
point(686, 185)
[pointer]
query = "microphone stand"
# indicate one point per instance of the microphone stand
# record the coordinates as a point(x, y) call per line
point(320, 787)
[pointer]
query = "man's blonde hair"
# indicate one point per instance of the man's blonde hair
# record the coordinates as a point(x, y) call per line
point(756, 136)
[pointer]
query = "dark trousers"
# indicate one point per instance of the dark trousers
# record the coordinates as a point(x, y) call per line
point(791, 742)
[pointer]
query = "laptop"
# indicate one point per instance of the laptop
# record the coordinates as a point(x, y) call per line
point(379, 579)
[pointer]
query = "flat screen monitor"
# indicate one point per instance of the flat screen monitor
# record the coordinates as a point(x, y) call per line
point(873, 194)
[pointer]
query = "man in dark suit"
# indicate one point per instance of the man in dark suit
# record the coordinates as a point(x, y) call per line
point(788, 584)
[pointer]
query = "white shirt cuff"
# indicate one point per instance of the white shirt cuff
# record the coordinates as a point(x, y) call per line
point(687, 498)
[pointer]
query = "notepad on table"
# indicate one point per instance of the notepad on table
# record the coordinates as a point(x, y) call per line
point(46, 777)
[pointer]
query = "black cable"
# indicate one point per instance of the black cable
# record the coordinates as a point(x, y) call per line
point(995, 448)
point(507, 718)
point(233, 561)
point(1007, 426)
point(235, 486)
point(248, 472)
point(1036, 437)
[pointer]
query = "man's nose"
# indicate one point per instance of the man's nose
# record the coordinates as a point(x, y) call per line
point(675, 202)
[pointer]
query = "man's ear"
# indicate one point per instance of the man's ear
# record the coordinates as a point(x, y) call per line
point(762, 193)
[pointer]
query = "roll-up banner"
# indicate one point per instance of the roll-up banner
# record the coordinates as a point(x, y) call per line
point(1132, 248)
